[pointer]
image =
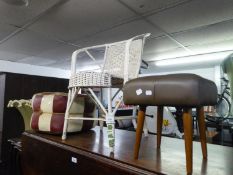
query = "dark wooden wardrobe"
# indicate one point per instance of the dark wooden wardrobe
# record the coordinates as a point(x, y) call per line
point(20, 86)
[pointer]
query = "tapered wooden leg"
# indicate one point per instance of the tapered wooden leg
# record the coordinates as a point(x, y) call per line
point(159, 124)
point(140, 123)
point(188, 134)
point(201, 125)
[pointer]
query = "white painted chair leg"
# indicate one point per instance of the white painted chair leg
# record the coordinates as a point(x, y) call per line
point(66, 121)
point(71, 95)
point(111, 136)
point(65, 129)
point(110, 121)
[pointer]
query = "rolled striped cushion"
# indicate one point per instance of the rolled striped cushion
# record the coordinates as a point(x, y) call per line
point(49, 113)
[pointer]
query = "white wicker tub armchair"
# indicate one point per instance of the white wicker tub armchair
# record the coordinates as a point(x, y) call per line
point(122, 62)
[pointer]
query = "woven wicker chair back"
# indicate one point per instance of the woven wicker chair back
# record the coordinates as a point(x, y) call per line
point(116, 61)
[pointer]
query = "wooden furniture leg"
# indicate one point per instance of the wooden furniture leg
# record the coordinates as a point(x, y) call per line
point(188, 134)
point(140, 124)
point(202, 128)
point(159, 125)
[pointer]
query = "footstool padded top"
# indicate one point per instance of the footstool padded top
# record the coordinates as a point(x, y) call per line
point(186, 90)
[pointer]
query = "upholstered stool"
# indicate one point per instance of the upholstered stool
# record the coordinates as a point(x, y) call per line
point(177, 90)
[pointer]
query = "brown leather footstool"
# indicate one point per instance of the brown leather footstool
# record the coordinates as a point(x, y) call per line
point(177, 90)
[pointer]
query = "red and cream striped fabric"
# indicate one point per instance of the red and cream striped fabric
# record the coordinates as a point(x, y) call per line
point(49, 113)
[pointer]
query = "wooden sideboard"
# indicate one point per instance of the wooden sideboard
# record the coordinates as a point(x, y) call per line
point(20, 86)
point(87, 154)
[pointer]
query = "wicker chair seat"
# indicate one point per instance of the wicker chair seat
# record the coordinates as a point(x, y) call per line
point(94, 79)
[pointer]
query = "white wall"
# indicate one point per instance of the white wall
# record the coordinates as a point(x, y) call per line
point(7, 66)
point(208, 73)
point(217, 77)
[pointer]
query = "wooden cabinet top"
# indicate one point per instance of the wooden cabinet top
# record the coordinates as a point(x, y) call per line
point(170, 159)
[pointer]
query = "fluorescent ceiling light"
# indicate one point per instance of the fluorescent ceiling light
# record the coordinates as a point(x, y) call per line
point(193, 59)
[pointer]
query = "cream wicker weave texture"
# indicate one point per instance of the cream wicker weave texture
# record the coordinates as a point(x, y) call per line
point(115, 59)
point(90, 79)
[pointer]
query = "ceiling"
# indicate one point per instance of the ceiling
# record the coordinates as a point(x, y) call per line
point(46, 32)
